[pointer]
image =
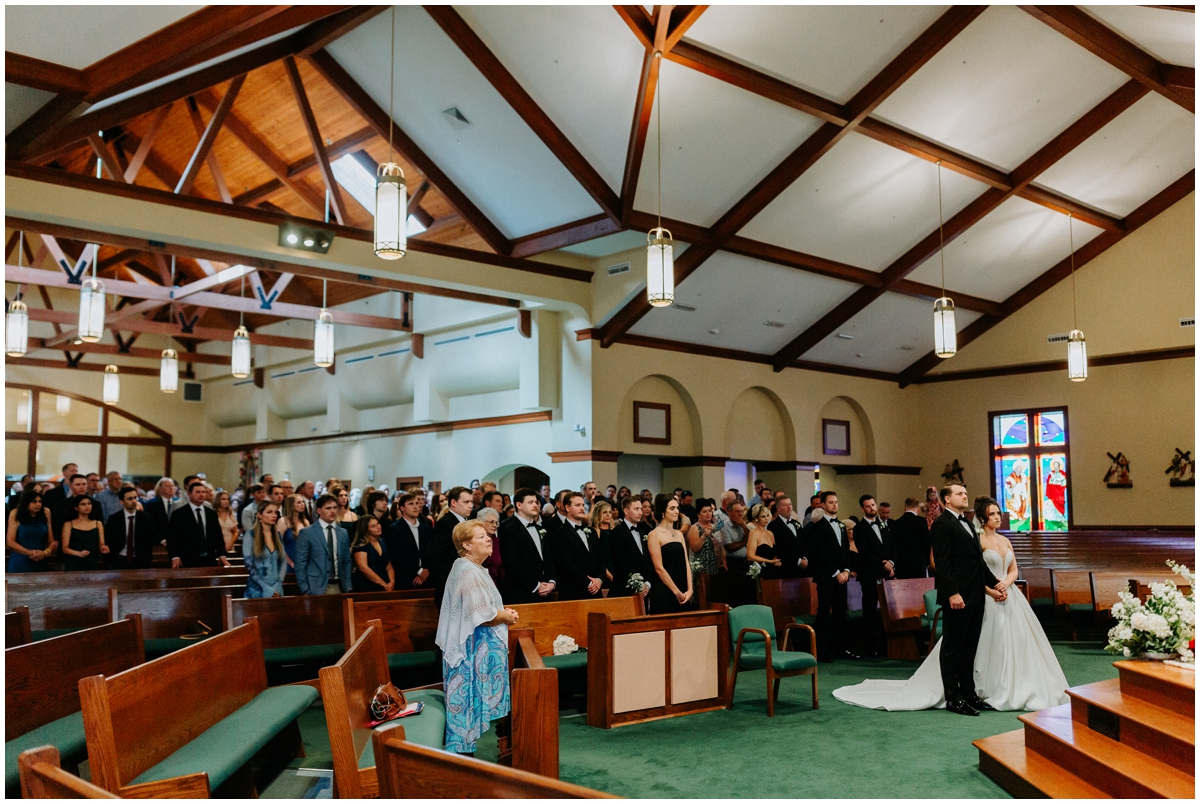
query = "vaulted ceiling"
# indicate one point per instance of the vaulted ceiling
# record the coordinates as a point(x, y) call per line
point(800, 145)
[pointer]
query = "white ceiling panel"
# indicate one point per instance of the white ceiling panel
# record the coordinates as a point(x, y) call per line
point(20, 103)
point(77, 36)
point(830, 50)
point(1006, 250)
point(890, 334)
point(1002, 89)
point(863, 203)
point(581, 64)
point(498, 162)
point(736, 296)
point(1127, 162)
point(718, 142)
point(611, 244)
point(1169, 36)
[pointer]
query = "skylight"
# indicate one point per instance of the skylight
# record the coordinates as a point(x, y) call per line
point(359, 182)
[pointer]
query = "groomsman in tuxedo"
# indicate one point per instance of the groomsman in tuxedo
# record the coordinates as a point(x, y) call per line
point(408, 539)
point(910, 534)
point(131, 529)
point(788, 544)
point(525, 552)
point(194, 537)
point(830, 548)
point(961, 578)
point(441, 555)
point(876, 561)
point(578, 557)
point(627, 546)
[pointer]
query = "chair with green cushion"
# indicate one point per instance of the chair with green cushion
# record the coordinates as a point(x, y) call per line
point(753, 628)
point(933, 614)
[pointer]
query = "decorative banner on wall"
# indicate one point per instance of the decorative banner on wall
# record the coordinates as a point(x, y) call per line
point(1118, 472)
point(1182, 469)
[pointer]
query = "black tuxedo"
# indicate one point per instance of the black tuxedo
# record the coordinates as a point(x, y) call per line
point(874, 548)
point(960, 571)
point(575, 563)
point(54, 496)
point(910, 534)
point(64, 512)
point(159, 514)
point(790, 547)
point(186, 542)
point(143, 540)
point(627, 558)
point(440, 555)
point(408, 556)
point(524, 566)
point(829, 554)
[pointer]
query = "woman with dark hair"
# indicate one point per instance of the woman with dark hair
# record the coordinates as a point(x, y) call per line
point(82, 537)
point(373, 570)
point(702, 540)
point(672, 590)
point(29, 532)
point(376, 505)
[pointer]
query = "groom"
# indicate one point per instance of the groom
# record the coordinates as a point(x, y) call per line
point(961, 578)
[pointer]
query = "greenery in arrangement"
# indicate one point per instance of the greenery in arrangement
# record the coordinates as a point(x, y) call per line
point(754, 570)
point(1165, 623)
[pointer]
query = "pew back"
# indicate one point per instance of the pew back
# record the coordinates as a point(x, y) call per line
point(42, 776)
point(149, 578)
point(409, 625)
point(290, 622)
point(16, 627)
point(902, 603)
point(1107, 587)
point(570, 617)
point(346, 689)
point(1141, 588)
point(732, 589)
point(1071, 587)
point(64, 605)
point(788, 598)
point(171, 613)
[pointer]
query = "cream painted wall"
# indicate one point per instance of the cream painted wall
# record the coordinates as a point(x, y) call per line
point(758, 428)
point(685, 430)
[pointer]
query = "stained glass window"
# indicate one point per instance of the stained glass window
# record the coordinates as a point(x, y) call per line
point(1030, 470)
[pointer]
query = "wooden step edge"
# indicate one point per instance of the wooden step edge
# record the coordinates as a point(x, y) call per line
point(1004, 759)
point(1161, 690)
point(1173, 725)
point(1166, 674)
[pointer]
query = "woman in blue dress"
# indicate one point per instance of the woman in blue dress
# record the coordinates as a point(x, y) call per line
point(266, 563)
point(29, 535)
point(473, 635)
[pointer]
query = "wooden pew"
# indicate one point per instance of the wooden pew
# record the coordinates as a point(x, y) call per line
point(42, 777)
point(16, 627)
point(793, 600)
point(901, 606)
point(1071, 591)
point(1141, 588)
point(191, 722)
point(59, 609)
point(41, 688)
point(570, 617)
point(170, 615)
point(199, 576)
point(732, 589)
point(409, 628)
point(408, 770)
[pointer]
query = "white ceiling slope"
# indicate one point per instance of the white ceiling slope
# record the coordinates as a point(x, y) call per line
point(1169, 36)
point(78, 36)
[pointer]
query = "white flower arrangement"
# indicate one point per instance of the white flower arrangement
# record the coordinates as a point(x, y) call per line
point(637, 584)
point(1165, 623)
point(564, 644)
point(754, 570)
point(696, 565)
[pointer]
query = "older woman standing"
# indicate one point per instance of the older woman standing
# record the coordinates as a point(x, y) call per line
point(473, 635)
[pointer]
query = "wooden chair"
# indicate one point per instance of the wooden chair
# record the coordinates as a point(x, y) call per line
point(408, 770)
point(43, 777)
point(1071, 591)
point(16, 627)
point(755, 629)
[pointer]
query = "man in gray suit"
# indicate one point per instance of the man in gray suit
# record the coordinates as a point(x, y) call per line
point(317, 572)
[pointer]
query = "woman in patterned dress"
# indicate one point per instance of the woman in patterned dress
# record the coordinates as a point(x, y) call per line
point(473, 635)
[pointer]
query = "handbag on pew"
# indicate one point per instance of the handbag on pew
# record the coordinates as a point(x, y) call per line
point(389, 703)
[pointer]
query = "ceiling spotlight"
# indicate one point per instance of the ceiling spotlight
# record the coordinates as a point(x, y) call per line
point(308, 238)
point(846, 336)
point(293, 239)
point(309, 242)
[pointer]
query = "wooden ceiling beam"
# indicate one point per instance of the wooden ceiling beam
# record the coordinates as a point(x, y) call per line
point(174, 330)
point(336, 26)
point(526, 108)
point(314, 137)
point(300, 167)
point(644, 106)
point(47, 76)
point(107, 156)
point(135, 351)
point(142, 150)
point(1100, 40)
point(208, 138)
point(567, 234)
point(206, 156)
point(45, 128)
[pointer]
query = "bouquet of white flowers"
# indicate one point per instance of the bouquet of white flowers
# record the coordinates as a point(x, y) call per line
point(564, 644)
point(1165, 624)
point(637, 584)
point(754, 570)
point(696, 565)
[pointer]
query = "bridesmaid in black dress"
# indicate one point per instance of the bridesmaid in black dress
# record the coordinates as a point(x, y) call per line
point(671, 589)
point(760, 545)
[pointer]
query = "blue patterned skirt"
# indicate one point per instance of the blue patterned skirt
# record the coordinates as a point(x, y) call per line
point(477, 690)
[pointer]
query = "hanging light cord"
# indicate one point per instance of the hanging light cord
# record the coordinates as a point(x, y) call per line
point(1074, 299)
point(324, 293)
point(242, 295)
point(658, 99)
point(941, 233)
point(392, 85)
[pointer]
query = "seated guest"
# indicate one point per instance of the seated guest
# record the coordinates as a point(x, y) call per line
point(494, 564)
point(760, 543)
point(28, 540)
point(440, 555)
point(600, 520)
point(323, 552)
point(194, 537)
point(668, 553)
point(473, 635)
point(372, 571)
point(910, 534)
point(787, 530)
point(131, 535)
point(703, 541)
point(82, 536)
point(266, 562)
point(578, 558)
point(226, 518)
point(529, 572)
point(627, 545)
point(408, 539)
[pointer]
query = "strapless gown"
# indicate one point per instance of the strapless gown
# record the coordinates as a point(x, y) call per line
point(1015, 667)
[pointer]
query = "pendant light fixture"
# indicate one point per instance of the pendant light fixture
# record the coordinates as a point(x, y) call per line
point(1076, 345)
point(112, 385)
point(241, 342)
point(92, 305)
point(16, 322)
point(323, 332)
point(945, 335)
point(62, 404)
point(168, 372)
point(391, 191)
point(660, 247)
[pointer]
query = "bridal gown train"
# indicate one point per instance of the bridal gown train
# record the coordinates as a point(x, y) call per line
point(1015, 667)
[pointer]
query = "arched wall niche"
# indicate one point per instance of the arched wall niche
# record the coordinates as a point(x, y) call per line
point(687, 437)
point(508, 478)
point(759, 427)
point(862, 437)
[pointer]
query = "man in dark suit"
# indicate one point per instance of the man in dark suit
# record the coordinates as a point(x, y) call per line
point(788, 542)
point(830, 549)
point(408, 539)
point(52, 498)
point(131, 530)
point(876, 561)
point(194, 537)
point(910, 534)
point(440, 555)
point(961, 578)
point(627, 546)
point(529, 571)
point(64, 511)
point(158, 510)
point(578, 557)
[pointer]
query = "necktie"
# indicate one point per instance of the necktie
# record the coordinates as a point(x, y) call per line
point(199, 519)
point(332, 553)
point(203, 534)
point(129, 540)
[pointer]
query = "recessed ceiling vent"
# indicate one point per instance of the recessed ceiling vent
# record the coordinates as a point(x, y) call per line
point(620, 268)
point(457, 119)
point(687, 308)
point(1059, 338)
point(1187, 322)
point(846, 336)
point(775, 324)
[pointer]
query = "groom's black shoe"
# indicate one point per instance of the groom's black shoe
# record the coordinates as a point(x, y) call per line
point(961, 708)
point(980, 705)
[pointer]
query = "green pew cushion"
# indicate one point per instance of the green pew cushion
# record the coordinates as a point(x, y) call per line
point(569, 661)
point(65, 734)
point(157, 648)
point(427, 728)
point(855, 614)
point(754, 657)
point(230, 743)
point(50, 633)
point(412, 661)
point(1079, 607)
point(304, 654)
point(806, 619)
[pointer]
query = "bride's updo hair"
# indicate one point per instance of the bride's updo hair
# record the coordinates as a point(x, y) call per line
point(981, 506)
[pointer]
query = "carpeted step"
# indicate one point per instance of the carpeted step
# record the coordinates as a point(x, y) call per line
point(1117, 769)
point(1024, 774)
point(1163, 733)
point(1161, 684)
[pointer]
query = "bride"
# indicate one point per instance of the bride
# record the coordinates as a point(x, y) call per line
point(1015, 667)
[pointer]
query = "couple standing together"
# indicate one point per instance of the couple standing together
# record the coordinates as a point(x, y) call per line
point(994, 654)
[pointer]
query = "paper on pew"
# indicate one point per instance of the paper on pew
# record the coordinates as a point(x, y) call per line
point(413, 708)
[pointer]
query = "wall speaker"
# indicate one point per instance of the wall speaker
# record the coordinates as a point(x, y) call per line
point(193, 392)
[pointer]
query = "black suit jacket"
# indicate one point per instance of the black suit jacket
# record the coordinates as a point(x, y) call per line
point(187, 543)
point(789, 546)
point(910, 534)
point(827, 557)
point(159, 516)
point(873, 550)
point(408, 557)
point(440, 555)
point(524, 567)
point(628, 559)
point(54, 496)
point(575, 564)
point(143, 540)
point(63, 512)
point(960, 566)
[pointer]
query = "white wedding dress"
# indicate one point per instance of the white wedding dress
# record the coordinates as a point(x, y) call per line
point(1015, 667)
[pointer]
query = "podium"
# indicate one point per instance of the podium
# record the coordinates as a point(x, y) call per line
point(656, 666)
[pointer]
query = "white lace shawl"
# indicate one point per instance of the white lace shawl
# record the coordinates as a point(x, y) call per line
point(470, 600)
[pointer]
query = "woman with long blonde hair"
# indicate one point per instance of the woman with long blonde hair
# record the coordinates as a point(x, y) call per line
point(266, 561)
